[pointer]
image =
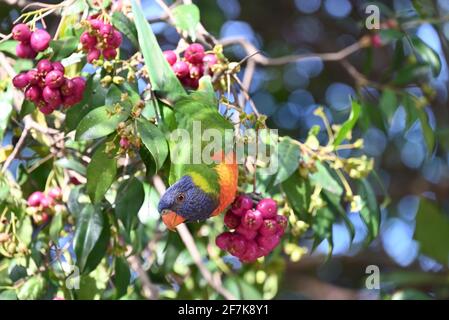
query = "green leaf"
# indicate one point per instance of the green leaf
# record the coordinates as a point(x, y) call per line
point(33, 288)
point(100, 122)
point(122, 277)
point(94, 97)
point(125, 26)
point(411, 73)
point(71, 164)
point(25, 230)
point(298, 191)
point(370, 211)
point(63, 48)
point(388, 104)
point(428, 133)
point(100, 249)
point(187, 17)
point(130, 197)
point(154, 140)
point(322, 227)
point(27, 108)
point(57, 223)
point(432, 231)
point(426, 54)
point(73, 203)
point(89, 227)
point(101, 173)
point(162, 77)
point(347, 127)
point(9, 47)
point(325, 180)
point(334, 203)
point(390, 35)
point(288, 155)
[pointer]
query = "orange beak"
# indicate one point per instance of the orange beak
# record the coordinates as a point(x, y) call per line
point(171, 219)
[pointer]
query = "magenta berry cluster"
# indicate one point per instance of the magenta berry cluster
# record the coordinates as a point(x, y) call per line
point(44, 205)
point(256, 228)
point(30, 42)
point(195, 63)
point(101, 39)
point(48, 88)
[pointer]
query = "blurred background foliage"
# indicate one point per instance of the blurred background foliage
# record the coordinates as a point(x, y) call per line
point(404, 124)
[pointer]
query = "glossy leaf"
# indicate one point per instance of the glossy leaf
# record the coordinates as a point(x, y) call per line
point(122, 277)
point(347, 127)
point(427, 55)
point(162, 77)
point(432, 231)
point(125, 26)
point(130, 197)
point(323, 178)
point(154, 140)
point(187, 18)
point(288, 155)
point(89, 226)
point(370, 211)
point(101, 173)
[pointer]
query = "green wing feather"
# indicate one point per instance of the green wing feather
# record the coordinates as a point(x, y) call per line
point(200, 106)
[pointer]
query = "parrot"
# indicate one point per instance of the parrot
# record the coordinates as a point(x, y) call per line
point(199, 191)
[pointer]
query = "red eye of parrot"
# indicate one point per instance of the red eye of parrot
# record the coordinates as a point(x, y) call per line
point(180, 197)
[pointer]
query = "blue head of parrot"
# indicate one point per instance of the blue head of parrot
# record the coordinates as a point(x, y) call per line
point(185, 202)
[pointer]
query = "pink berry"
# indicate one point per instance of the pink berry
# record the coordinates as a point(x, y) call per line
point(196, 71)
point(268, 243)
point(109, 53)
point(115, 40)
point(67, 88)
point(93, 55)
point(282, 223)
point(88, 41)
point(44, 107)
point(69, 101)
point(252, 252)
point(21, 80)
point(252, 219)
point(45, 217)
point(55, 193)
point(54, 79)
point(106, 30)
point(246, 233)
point(33, 93)
point(124, 143)
point(58, 66)
point(237, 245)
point(34, 77)
point(269, 227)
point(96, 24)
point(222, 240)
point(231, 220)
point(376, 41)
point(267, 207)
point(190, 82)
point(209, 60)
point(51, 95)
point(34, 200)
point(194, 53)
point(40, 40)
point(170, 56)
point(44, 66)
point(181, 69)
point(242, 204)
point(21, 32)
point(80, 85)
point(24, 51)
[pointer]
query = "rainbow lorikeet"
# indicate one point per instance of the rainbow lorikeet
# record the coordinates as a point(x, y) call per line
point(199, 191)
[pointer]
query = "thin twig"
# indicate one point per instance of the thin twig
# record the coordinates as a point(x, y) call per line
point(266, 61)
point(150, 291)
point(16, 149)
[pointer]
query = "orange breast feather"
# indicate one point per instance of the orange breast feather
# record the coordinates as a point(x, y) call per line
point(228, 177)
